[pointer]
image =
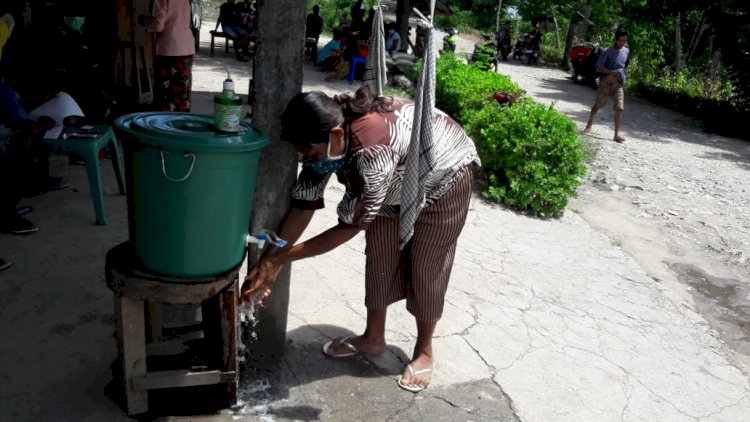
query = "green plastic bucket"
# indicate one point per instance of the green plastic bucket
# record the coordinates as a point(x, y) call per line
point(190, 191)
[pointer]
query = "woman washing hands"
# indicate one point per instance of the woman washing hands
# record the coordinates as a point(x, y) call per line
point(365, 141)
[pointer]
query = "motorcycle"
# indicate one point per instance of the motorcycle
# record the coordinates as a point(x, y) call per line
point(450, 40)
point(527, 48)
point(583, 60)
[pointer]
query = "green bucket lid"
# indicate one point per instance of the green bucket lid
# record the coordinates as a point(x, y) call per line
point(190, 132)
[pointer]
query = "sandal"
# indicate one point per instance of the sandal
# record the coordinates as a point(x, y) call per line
point(345, 342)
point(412, 374)
point(18, 225)
point(5, 264)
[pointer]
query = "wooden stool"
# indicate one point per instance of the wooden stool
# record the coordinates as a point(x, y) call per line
point(135, 286)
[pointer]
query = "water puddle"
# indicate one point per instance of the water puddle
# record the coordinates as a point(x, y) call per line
point(724, 302)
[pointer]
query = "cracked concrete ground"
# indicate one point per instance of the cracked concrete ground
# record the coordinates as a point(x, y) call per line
point(545, 321)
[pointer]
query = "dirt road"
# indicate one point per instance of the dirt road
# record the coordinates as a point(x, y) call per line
point(674, 197)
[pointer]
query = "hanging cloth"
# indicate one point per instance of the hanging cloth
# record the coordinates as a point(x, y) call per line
point(375, 69)
point(421, 159)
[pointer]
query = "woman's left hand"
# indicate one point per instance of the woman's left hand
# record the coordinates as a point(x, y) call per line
point(260, 277)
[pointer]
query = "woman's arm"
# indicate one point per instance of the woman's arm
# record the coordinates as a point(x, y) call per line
point(159, 13)
point(262, 275)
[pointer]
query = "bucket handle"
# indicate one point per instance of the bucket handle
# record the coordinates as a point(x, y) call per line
point(190, 171)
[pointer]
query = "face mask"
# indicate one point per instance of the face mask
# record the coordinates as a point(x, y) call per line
point(74, 22)
point(329, 164)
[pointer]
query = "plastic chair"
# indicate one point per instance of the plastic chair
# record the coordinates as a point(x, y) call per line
point(89, 146)
point(353, 68)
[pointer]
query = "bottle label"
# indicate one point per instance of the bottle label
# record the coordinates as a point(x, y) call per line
point(227, 117)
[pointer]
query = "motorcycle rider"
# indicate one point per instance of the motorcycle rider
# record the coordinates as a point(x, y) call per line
point(450, 40)
point(503, 41)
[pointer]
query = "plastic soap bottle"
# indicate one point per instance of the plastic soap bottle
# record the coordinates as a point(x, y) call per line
point(227, 108)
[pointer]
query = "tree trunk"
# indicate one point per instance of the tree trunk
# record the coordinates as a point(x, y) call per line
point(557, 32)
point(497, 16)
point(403, 12)
point(695, 40)
point(565, 64)
point(714, 72)
point(586, 24)
point(279, 77)
point(678, 42)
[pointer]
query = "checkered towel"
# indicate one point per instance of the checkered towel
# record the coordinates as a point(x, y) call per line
point(375, 68)
point(421, 159)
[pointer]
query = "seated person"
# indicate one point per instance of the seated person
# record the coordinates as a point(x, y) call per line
point(230, 19)
point(23, 165)
point(331, 54)
point(393, 41)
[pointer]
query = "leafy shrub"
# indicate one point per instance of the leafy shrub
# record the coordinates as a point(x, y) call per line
point(484, 58)
point(461, 88)
point(532, 158)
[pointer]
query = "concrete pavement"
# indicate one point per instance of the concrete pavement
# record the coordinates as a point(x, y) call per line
point(544, 321)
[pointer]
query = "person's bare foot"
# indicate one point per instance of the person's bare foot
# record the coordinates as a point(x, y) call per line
point(363, 345)
point(418, 377)
point(587, 129)
point(619, 139)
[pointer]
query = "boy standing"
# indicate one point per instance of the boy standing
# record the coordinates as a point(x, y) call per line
point(611, 65)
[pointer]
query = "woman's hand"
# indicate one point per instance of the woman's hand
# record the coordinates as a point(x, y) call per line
point(260, 277)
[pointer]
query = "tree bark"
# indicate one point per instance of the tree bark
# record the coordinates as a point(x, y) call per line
point(565, 64)
point(403, 12)
point(279, 77)
point(697, 35)
point(678, 41)
point(586, 25)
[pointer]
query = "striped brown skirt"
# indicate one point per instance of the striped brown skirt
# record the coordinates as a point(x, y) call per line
point(421, 271)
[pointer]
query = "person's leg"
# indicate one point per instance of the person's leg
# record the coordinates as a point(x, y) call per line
point(180, 84)
point(602, 94)
point(619, 107)
point(162, 81)
point(17, 168)
point(384, 284)
point(433, 248)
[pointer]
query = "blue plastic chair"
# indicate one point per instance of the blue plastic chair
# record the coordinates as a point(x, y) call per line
point(353, 68)
point(89, 148)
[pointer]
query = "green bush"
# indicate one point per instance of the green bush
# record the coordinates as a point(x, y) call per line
point(461, 88)
point(532, 158)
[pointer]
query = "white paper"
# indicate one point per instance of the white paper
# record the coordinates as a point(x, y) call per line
point(57, 109)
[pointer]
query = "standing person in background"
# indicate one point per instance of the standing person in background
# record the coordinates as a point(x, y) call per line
point(314, 25)
point(358, 15)
point(612, 66)
point(175, 48)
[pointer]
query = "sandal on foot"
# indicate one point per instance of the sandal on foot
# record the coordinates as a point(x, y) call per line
point(18, 225)
point(341, 340)
point(5, 264)
point(412, 374)
point(619, 139)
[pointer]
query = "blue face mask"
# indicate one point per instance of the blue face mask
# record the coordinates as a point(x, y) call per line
point(329, 164)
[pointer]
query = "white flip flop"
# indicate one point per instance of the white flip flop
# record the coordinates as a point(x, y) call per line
point(412, 374)
point(342, 340)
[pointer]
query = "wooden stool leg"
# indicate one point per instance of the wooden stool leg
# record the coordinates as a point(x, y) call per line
point(132, 325)
point(155, 322)
point(230, 333)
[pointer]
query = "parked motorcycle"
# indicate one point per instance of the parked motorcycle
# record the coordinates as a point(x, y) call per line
point(527, 48)
point(450, 40)
point(583, 60)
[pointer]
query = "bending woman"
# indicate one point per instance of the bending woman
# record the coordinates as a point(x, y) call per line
point(364, 140)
